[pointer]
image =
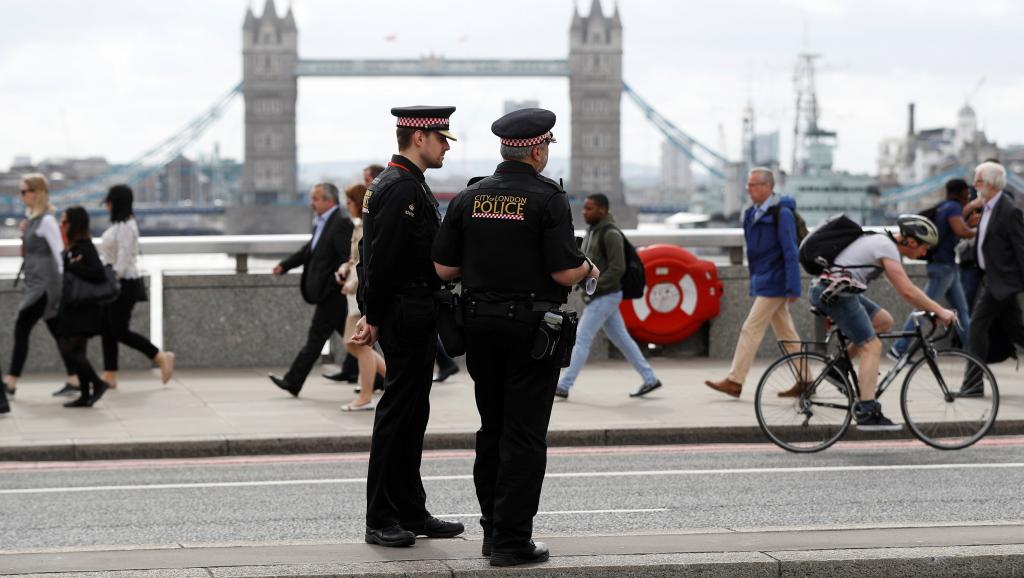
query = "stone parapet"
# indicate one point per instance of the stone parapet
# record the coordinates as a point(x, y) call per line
point(261, 320)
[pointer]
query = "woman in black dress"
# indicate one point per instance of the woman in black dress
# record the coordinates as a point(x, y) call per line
point(77, 323)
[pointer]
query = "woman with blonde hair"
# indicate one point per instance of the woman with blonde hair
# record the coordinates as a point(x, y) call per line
point(43, 266)
point(371, 364)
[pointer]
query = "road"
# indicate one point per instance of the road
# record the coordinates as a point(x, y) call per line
point(605, 490)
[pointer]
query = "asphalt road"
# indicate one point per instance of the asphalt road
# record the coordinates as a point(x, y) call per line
point(275, 499)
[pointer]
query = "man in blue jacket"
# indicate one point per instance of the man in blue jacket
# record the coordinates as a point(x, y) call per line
point(769, 227)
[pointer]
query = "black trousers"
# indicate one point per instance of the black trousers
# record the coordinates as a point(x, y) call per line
point(328, 316)
point(117, 327)
point(27, 319)
point(989, 311)
point(442, 358)
point(394, 488)
point(514, 394)
point(73, 347)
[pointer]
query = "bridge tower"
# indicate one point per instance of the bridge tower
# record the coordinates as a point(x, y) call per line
point(270, 50)
point(595, 94)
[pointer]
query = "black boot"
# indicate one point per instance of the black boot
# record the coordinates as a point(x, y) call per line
point(98, 389)
point(83, 400)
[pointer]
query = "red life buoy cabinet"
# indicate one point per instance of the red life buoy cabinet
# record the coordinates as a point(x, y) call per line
point(682, 292)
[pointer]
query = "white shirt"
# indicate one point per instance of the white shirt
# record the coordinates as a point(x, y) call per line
point(983, 227)
point(119, 248)
point(321, 220)
point(49, 229)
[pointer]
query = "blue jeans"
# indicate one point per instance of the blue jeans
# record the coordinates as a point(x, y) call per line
point(943, 281)
point(603, 312)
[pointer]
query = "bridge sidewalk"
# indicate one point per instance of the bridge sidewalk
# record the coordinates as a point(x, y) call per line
point(985, 550)
point(238, 411)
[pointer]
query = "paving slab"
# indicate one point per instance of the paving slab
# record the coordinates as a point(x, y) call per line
point(976, 550)
point(238, 411)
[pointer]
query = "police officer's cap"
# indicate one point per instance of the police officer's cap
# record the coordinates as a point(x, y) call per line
point(433, 118)
point(525, 128)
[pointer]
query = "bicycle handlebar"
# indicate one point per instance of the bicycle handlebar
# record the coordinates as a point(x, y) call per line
point(935, 326)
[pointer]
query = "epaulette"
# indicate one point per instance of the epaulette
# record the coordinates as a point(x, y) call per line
point(547, 181)
point(474, 181)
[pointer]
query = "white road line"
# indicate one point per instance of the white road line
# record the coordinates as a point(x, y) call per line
point(609, 474)
point(567, 512)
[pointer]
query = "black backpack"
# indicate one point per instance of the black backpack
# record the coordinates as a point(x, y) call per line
point(818, 251)
point(634, 280)
point(801, 224)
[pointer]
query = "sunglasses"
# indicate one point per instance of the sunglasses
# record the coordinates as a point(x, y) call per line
point(26, 191)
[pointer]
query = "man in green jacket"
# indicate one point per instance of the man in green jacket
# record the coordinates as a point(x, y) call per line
point(604, 246)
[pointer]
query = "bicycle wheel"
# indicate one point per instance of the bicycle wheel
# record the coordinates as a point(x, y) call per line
point(812, 420)
point(955, 411)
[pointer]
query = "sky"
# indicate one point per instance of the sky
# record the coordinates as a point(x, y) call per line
point(115, 77)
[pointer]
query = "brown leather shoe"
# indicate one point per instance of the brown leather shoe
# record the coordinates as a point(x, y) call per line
point(795, 391)
point(726, 386)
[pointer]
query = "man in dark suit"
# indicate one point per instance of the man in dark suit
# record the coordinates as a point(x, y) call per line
point(1000, 254)
point(320, 258)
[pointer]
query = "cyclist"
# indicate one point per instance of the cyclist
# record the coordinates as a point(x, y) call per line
point(837, 293)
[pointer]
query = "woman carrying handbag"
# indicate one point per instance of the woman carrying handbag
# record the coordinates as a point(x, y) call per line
point(81, 318)
point(119, 248)
point(41, 248)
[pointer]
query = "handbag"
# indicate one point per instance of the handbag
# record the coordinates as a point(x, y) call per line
point(79, 292)
point(136, 288)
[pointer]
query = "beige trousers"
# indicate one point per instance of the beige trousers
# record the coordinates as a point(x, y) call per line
point(765, 310)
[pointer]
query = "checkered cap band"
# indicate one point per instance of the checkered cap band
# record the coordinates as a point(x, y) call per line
point(526, 142)
point(423, 122)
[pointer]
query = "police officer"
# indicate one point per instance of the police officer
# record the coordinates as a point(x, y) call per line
point(400, 220)
point(510, 238)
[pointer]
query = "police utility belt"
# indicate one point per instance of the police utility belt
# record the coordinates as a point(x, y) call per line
point(556, 330)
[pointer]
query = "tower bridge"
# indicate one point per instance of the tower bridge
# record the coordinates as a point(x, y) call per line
point(269, 87)
point(272, 67)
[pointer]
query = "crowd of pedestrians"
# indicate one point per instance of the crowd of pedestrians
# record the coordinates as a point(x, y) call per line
point(67, 285)
point(381, 262)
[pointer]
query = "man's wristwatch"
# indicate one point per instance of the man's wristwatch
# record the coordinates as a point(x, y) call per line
point(590, 269)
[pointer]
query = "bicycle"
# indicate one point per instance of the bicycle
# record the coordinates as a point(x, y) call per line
point(949, 398)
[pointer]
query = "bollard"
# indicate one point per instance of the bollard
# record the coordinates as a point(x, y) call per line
point(242, 263)
point(736, 255)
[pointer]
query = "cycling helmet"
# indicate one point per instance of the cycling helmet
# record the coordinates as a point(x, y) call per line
point(920, 228)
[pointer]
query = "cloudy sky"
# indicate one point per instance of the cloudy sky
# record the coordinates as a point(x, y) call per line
point(114, 77)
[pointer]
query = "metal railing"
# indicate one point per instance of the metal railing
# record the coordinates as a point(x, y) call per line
point(244, 246)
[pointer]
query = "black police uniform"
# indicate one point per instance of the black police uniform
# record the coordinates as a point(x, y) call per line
point(508, 233)
point(400, 220)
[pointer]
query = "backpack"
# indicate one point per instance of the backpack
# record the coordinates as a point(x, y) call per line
point(634, 279)
point(819, 250)
point(801, 224)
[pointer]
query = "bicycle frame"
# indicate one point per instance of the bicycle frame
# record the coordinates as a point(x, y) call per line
point(834, 336)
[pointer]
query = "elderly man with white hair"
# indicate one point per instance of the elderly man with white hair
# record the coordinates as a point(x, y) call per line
point(1000, 253)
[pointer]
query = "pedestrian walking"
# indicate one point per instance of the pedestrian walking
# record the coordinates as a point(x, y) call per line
point(349, 370)
point(400, 220)
point(43, 264)
point(769, 231)
point(119, 248)
point(320, 259)
point(79, 321)
point(371, 365)
point(943, 273)
point(604, 245)
point(510, 238)
point(1000, 254)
